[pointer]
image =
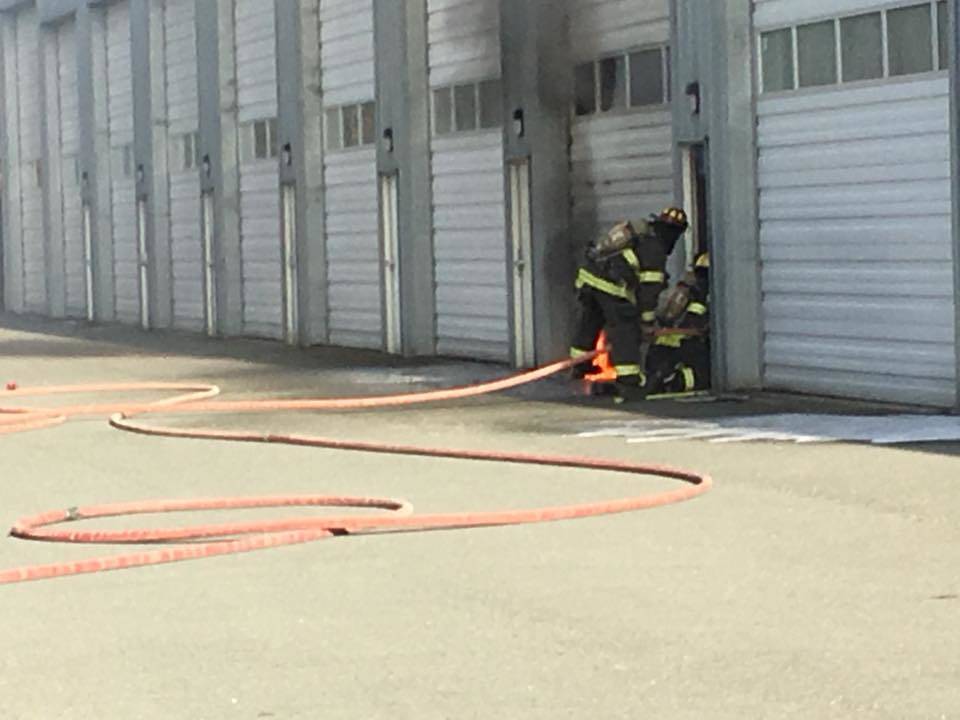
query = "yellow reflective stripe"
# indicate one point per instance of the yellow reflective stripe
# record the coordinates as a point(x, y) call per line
point(585, 277)
point(631, 257)
point(689, 378)
point(651, 276)
point(578, 353)
point(649, 316)
point(697, 308)
point(627, 370)
point(673, 341)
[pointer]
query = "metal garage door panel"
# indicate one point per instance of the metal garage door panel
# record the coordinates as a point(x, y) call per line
point(261, 253)
point(74, 258)
point(855, 214)
point(12, 239)
point(469, 214)
point(622, 167)
point(353, 249)
point(470, 246)
point(622, 161)
point(610, 26)
point(31, 152)
point(772, 13)
point(126, 256)
point(256, 37)
point(346, 51)
point(180, 60)
point(261, 256)
point(463, 40)
point(350, 179)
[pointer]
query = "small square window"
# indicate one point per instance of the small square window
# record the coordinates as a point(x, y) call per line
point(272, 136)
point(910, 40)
point(465, 107)
point(333, 135)
point(351, 127)
point(442, 111)
point(776, 50)
point(491, 104)
point(646, 78)
point(943, 32)
point(261, 141)
point(128, 160)
point(817, 54)
point(613, 83)
point(585, 89)
point(189, 151)
point(862, 40)
point(368, 116)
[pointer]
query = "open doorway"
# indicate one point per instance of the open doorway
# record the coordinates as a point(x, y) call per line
point(685, 358)
point(694, 162)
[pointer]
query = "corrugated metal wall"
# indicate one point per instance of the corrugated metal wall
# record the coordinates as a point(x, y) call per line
point(31, 165)
point(261, 247)
point(74, 254)
point(350, 179)
point(126, 254)
point(11, 237)
point(621, 160)
point(855, 214)
point(183, 119)
point(469, 215)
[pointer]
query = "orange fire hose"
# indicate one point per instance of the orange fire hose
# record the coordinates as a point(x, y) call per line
point(205, 541)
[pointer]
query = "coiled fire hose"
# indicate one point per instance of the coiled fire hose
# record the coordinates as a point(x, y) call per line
point(204, 541)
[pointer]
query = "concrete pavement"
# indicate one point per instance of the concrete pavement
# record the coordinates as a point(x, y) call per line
point(813, 582)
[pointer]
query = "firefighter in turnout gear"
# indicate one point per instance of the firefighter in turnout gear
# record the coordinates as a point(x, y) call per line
point(679, 362)
point(618, 288)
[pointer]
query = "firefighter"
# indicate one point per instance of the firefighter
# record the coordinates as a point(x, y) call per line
point(618, 287)
point(679, 362)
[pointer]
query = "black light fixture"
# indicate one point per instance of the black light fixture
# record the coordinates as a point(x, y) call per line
point(519, 123)
point(388, 140)
point(207, 166)
point(288, 155)
point(140, 173)
point(692, 92)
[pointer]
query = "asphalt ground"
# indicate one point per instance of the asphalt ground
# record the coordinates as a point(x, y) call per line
point(813, 581)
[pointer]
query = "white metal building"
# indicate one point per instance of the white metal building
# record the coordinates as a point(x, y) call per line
point(420, 177)
point(855, 200)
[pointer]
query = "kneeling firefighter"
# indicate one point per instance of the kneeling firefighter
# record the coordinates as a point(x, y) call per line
point(618, 286)
point(679, 362)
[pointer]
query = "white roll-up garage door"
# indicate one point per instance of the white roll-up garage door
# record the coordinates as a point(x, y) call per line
point(855, 208)
point(469, 213)
point(31, 170)
point(186, 248)
point(126, 255)
point(73, 246)
point(622, 150)
point(261, 247)
point(350, 173)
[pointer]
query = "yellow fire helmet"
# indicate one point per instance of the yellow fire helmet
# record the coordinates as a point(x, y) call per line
point(674, 216)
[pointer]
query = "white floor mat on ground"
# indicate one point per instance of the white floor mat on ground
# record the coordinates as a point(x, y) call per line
point(790, 427)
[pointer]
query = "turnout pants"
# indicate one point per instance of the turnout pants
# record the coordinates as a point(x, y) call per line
point(680, 369)
point(599, 310)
